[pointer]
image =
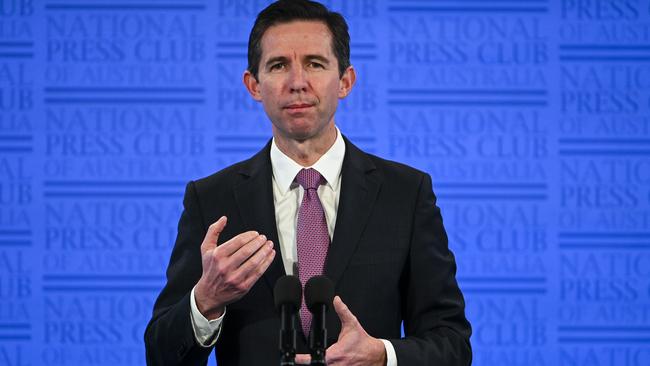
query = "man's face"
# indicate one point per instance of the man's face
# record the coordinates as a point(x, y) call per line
point(298, 80)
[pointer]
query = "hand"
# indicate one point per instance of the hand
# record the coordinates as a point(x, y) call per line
point(230, 269)
point(354, 346)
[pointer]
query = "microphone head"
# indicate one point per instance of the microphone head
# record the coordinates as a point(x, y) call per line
point(319, 290)
point(287, 291)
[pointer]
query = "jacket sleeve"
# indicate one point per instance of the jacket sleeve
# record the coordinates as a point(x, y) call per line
point(435, 327)
point(169, 337)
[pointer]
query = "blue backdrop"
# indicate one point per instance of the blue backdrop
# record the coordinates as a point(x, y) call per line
point(531, 116)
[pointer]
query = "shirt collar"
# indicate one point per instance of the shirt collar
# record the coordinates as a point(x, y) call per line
point(329, 165)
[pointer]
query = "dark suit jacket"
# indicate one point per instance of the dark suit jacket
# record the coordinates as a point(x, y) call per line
point(388, 259)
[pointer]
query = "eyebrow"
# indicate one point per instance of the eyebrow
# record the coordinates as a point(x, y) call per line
point(320, 58)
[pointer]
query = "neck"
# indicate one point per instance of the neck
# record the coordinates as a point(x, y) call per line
point(306, 152)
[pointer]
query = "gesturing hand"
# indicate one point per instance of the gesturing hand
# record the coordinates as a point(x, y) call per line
point(230, 269)
point(354, 346)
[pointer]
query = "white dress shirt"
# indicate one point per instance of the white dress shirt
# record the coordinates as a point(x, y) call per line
point(287, 196)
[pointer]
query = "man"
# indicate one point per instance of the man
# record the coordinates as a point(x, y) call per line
point(310, 202)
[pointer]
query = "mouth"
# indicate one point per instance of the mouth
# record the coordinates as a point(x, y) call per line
point(296, 107)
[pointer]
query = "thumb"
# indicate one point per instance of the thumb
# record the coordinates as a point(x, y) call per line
point(212, 236)
point(344, 313)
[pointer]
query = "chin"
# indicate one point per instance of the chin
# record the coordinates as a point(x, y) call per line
point(300, 135)
point(300, 132)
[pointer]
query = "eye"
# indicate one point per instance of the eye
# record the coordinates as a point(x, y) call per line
point(277, 66)
point(316, 65)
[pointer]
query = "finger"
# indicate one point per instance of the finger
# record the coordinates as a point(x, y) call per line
point(303, 359)
point(233, 245)
point(254, 268)
point(211, 237)
point(258, 270)
point(346, 316)
point(256, 259)
point(248, 250)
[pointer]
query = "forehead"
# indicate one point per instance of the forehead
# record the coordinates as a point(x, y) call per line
point(299, 37)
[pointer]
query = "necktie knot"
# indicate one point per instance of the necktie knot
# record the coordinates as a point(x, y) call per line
point(309, 178)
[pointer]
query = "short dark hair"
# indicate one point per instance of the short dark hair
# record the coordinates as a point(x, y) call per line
point(285, 11)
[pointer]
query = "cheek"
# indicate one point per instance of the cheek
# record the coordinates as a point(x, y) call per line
point(332, 89)
point(269, 97)
point(270, 88)
point(336, 92)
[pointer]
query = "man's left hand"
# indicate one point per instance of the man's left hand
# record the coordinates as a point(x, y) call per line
point(354, 346)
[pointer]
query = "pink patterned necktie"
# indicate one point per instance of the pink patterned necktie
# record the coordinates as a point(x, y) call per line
point(312, 236)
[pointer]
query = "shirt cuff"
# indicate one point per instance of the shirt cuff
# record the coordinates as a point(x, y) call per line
point(391, 357)
point(206, 331)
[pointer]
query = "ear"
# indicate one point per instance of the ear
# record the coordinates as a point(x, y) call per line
point(347, 82)
point(252, 86)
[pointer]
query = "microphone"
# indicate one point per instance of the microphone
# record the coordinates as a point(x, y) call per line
point(319, 294)
point(287, 294)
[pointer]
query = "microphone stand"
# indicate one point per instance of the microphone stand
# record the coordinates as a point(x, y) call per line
point(319, 292)
point(287, 336)
point(318, 336)
point(287, 294)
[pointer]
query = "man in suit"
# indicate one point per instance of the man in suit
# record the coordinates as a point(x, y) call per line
point(310, 202)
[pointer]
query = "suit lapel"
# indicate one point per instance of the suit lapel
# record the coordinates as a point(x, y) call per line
point(360, 183)
point(254, 196)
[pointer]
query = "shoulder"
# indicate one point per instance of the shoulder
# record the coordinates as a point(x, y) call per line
point(391, 167)
point(225, 176)
point(388, 170)
point(232, 175)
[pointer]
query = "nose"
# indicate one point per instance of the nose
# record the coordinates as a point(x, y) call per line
point(298, 80)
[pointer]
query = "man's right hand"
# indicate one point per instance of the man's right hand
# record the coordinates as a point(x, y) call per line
point(230, 269)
